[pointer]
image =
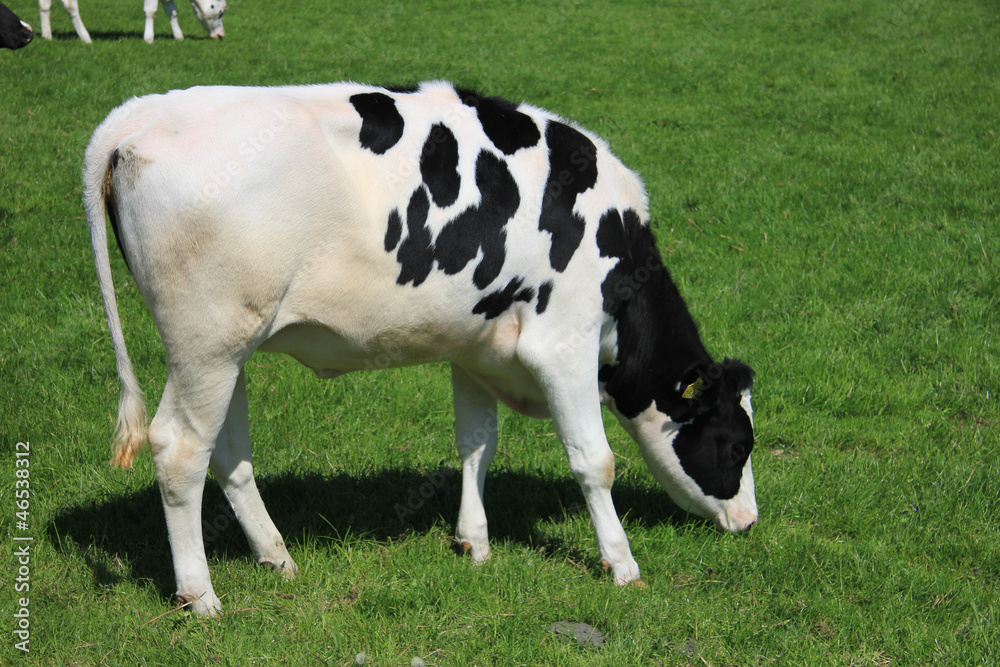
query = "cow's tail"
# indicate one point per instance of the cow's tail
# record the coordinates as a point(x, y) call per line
point(132, 427)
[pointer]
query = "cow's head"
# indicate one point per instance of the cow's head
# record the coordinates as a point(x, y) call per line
point(14, 33)
point(209, 13)
point(691, 417)
point(696, 438)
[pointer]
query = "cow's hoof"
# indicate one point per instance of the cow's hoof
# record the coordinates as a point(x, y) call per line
point(286, 568)
point(198, 606)
point(639, 583)
point(462, 547)
point(627, 575)
point(466, 548)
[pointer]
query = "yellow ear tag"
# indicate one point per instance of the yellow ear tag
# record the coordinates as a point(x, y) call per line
point(694, 390)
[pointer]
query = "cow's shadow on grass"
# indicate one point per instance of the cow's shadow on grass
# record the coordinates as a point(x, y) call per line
point(126, 536)
point(120, 35)
point(97, 36)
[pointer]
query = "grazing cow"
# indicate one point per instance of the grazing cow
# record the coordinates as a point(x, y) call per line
point(351, 226)
point(209, 13)
point(14, 33)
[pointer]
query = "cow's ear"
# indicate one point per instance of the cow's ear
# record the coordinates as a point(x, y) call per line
point(739, 374)
point(699, 384)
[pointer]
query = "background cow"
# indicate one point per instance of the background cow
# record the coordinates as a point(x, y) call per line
point(209, 13)
point(14, 33)
point(342, 224)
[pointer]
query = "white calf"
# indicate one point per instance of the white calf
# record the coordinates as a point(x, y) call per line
point(347, 226)
point(209, 13)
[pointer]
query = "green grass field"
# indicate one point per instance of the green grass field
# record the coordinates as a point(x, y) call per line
point(824, 184)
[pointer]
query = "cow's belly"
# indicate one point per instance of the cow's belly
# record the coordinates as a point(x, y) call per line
point(488, 355)
point(329, 354)
point(516, 389)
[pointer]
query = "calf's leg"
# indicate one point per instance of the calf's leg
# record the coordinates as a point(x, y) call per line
point(73, 9)
point(149, 9)
point(171, 11)
point(476, 440)
point(45, 16)
point(232, 466)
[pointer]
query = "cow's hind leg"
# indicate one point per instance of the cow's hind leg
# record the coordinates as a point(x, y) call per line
point(232, 466)
point(170, 9)
point(182, 435)
point(476, 439)
point(72, 8)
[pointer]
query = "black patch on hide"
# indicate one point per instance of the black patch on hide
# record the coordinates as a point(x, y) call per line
point(572, 171)
point(416, 253)
point(509, 129)
point(482, 226)
point(439, 165)
point(393, 231)
point(381, 124)
point(495, 303)
point(544, 291)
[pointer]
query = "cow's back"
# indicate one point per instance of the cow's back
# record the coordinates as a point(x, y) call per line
point(364, 221)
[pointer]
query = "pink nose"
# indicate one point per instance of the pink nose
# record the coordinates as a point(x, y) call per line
point(735, 521)
point(218, 35)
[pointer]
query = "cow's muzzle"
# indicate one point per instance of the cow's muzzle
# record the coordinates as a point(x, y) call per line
point(735, 521)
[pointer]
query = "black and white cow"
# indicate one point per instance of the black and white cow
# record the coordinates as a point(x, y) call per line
point(14, 33)
point(208, 12)
point(347, 225)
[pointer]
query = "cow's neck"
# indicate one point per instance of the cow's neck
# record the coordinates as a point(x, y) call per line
point(657, 340)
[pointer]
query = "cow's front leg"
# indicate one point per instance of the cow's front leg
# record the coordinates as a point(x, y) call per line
point(569, 380)
point(149, 9)
point(476, 440)
point(181, 437)
point(45, 16)
point(232, 466)
point(593, 464)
